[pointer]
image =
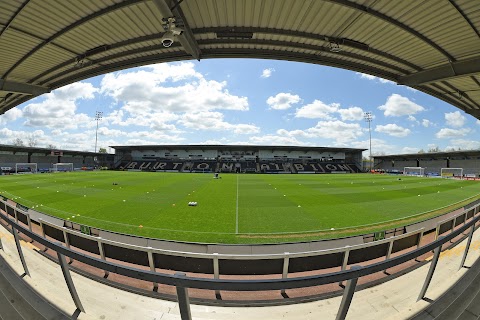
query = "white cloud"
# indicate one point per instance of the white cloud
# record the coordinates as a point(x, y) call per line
point(410, 150)
point(379, 146)
point(58, 110)
point(351, 114)
point(426, 123)
point(266, 73)
point(283, 101)
point(478, 122)
point(464, 144)
point(339, 131)
point(398, 105)
point(213, 121)
point(142, 91)
point(317, 110)
point(276, 140)
point(373, 78)
point(455, 119)
point(10, 115)
point(447, 133)
point(393, 130)
point(366, 76)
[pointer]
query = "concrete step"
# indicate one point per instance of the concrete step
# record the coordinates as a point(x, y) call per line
point(20, 301)
point(7, 309)
point(473, 310)
point(454, 303)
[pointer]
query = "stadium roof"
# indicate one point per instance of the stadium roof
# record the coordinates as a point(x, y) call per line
point(14, 149)
point(233, 147)
point(432, 46)
point(433, 155)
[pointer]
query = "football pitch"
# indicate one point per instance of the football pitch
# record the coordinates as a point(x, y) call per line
point(238, 208)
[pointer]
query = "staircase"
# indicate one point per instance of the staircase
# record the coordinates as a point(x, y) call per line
point(461, 302)
point(19, 302)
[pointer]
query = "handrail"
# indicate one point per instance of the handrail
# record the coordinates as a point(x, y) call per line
point(233, 256)
point(240, 285)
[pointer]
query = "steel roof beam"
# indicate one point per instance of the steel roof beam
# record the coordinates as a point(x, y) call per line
point(186, 39)
point(72, 26)
point(9, 23)
point(464, 16)
point(443, 72)
point(303, 46)
point(22, 88)
point(390, 20)
point(342, 41)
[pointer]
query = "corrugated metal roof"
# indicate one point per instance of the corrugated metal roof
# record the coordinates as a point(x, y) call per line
point(430, 45)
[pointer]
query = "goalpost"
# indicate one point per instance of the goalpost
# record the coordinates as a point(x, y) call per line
point(414, 171)
point(26, 167)
point(62, 167)
point(454, 173)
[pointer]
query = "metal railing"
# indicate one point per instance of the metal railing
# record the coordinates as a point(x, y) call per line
point(183, 282)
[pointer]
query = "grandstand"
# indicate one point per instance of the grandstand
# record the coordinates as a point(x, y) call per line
point(433, 163)
point(46, 158)
point(240, 159)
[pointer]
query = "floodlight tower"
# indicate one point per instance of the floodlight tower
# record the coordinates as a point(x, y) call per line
point(368, 117)
point(98, 117)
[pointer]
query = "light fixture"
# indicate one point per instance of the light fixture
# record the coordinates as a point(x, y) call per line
point(368, 116)
point(98, 117)
point(334, 47)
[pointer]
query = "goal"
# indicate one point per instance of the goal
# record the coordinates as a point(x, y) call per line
point(25, 168)
point(414, 171)
point(62, 167)
point(455, 173)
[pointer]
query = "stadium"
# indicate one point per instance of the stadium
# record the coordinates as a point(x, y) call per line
point(182, 231)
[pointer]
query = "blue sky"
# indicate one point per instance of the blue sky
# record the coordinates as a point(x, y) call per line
point(240, 101)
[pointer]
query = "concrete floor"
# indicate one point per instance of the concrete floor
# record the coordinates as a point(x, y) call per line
point(395, 299)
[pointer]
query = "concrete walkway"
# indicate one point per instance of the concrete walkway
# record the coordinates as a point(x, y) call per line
point(395, 299)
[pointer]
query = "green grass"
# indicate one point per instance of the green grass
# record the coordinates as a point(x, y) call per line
point(268, 208)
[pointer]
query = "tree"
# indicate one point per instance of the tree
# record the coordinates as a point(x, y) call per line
point(32, 141)
point(434, 149)
point(18, 142)
point(102, 150)
point(52, 146)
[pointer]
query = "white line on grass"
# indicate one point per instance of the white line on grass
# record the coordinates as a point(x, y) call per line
point(236, 211)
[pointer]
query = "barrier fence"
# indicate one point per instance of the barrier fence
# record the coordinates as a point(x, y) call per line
point(219, 264)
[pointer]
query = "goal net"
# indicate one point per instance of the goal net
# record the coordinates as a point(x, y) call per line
point(25, 168)
point(456, 173)
point(62, 167)
point(414, 171)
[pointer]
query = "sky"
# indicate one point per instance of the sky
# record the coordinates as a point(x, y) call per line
point(240, 101)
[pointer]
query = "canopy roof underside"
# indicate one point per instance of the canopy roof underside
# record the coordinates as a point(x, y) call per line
point(430, 45)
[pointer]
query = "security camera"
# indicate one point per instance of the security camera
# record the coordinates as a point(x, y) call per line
point(171, 33)
point(167, 39)
point(176, 30)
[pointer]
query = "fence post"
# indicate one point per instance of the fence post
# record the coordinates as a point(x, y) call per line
point(428, 279)
point(67, 243)
point(152, 266)
point(216, 272)
point(102, 255)
point(29, 222)
point(286, 262)
point(467, 247)
point(183, 299)
point(20, 252)
point(346, 254)
point(347, 296)
point(420, 238)
point(69, 281)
